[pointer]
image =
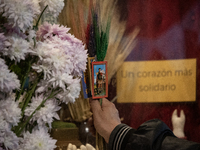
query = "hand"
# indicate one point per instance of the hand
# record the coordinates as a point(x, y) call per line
point(105, 117)
point(178, 124)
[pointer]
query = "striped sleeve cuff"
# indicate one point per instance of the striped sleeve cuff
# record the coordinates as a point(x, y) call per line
point(119, 137)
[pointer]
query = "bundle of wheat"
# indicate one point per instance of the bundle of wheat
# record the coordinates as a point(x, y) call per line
point(106, 32)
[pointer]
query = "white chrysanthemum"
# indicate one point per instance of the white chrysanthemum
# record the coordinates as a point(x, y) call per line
point(42, 49)
point(54, 6)
point(9, 140)
point(46, 113)
point(2, 41)
point(10, 111)
point(2, 64)
point(42, 86)
point(13, 96)
point(74, 53)
point(44, 67)
point(37, 140)
point(7, 137)
point(17, 48)
point(79, 57)
point(58, 58)
point(8, 80)
point(20, 14)
point(2, 148)
point(60, 79)
point(71, 93)
point(52, 58)
point(4, 126)
point(63, 60)
point(31, 35)
point(74, 89)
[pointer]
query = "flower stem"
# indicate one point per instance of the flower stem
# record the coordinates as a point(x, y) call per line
point(36, 26)
point(30, 93)
point(20, 129)
point(28, 98)
point(18, 94)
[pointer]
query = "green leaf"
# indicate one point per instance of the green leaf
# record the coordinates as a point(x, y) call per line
point(16, 69)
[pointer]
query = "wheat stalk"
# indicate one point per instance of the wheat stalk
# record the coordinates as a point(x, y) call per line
point(77, 15)
point(120, 45)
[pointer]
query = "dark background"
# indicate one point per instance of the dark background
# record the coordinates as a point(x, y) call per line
point(170, 29)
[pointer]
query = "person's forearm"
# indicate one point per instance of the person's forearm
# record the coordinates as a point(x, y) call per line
point(174, 143)
point(148, 136)
point(153, 134)
point(119, 136)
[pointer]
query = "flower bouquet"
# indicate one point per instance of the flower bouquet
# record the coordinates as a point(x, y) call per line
point(40, 68)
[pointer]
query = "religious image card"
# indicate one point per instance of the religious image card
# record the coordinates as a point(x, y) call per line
point(99, 79)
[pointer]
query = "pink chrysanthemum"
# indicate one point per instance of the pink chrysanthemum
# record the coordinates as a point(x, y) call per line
point(71, 38)
point(61, 55)
point(44, 31)
point(48, 31)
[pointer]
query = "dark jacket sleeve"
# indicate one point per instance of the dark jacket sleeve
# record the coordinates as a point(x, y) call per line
point(151, 135)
